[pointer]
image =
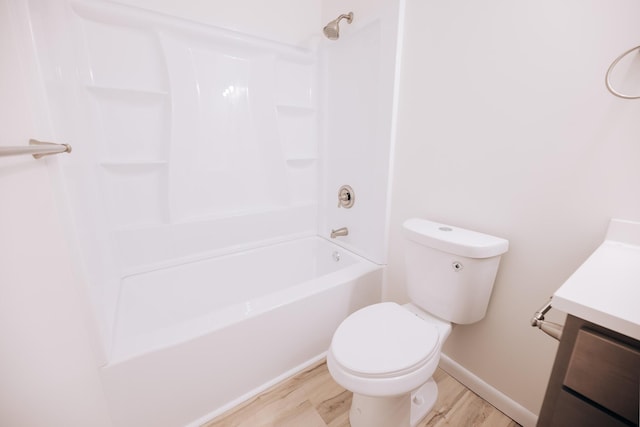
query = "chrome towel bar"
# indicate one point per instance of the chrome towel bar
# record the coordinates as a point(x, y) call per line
point(550, 328)
point(36, 148)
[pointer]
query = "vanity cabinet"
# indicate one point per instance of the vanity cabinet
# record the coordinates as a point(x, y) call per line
point(595, 379)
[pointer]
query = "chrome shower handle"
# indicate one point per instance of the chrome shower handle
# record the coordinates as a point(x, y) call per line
point(346, 197)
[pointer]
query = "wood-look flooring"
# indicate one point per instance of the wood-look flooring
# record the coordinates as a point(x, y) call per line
point(313, 399)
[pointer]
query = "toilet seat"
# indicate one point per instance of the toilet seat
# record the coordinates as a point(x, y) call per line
point(384, 340)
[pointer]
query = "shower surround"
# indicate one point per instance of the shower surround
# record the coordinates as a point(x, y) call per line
point(201, 191)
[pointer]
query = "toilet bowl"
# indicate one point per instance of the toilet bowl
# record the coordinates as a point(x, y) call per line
point(386, 353)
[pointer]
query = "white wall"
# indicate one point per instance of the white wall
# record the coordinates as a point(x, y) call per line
point(505, 127)
point(47, 363)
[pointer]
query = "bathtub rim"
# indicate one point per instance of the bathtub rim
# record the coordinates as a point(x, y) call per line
point(235, 313)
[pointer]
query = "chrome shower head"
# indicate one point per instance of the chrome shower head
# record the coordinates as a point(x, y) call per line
point(332, 29)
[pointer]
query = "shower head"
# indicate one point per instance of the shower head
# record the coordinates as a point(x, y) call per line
point(332, 29)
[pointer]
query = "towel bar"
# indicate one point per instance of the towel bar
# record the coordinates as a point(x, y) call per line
point(552, 329)
point(36, 148)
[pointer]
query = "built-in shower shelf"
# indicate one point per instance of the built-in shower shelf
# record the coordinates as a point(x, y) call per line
point(296, 109)
point(133, 163)
point(126, 92)
point(301, 162)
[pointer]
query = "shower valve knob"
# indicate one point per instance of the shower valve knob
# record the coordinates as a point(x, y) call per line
point(346, 197)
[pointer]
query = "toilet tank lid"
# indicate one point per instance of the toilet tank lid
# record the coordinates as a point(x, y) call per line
point(455, 240)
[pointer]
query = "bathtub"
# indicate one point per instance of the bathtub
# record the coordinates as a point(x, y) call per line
point(195, 339)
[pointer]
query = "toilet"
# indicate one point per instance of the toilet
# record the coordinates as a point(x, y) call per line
point(386, 353)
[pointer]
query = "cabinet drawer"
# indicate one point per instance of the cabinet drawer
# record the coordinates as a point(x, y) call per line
point(570, 411)
point(606, 372)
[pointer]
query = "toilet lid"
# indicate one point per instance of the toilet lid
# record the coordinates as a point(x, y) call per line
point(383, 339)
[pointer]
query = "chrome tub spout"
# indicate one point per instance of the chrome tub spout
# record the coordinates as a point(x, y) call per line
point(339, 232)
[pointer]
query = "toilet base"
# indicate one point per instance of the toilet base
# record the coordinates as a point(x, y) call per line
point(422, 401)
point(405, 410)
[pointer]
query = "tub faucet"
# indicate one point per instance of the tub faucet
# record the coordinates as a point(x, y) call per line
point(339, 232)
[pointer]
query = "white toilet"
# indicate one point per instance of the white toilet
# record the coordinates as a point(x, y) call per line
point(386, 353)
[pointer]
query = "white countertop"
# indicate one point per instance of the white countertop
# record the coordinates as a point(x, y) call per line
point(606, 289)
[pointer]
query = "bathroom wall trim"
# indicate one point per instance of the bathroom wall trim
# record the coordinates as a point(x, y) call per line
point(510, 407)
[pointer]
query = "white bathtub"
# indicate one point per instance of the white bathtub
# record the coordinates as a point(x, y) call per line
point(195, 339)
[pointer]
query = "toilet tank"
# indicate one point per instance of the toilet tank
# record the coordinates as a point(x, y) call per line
point(450, 271)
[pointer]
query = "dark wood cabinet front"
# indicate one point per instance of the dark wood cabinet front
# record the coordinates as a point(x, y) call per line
point(595, 379)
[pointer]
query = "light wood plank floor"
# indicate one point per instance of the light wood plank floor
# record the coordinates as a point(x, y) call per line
point(313, 399)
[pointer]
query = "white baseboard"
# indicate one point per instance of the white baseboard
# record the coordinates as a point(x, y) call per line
point(505, 404)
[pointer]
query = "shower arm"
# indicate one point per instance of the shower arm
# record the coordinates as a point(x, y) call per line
point(347, 16)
